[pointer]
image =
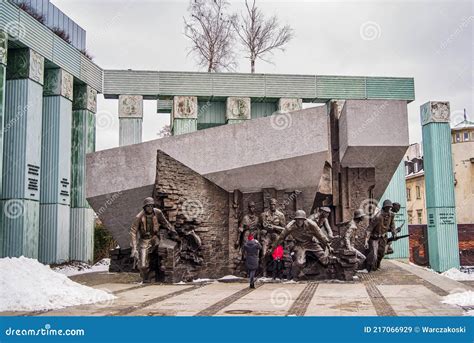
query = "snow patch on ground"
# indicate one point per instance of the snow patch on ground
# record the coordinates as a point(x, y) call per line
point(230, 277)
point(203, 280)
point(76, 268)
point(28, 285)
point(456, 274)
point(461, 299)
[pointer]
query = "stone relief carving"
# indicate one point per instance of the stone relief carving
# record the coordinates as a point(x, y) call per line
point(435, 112)
point(289, 105)
point(185, 107)
point(58, 82)
point(238, 108)
point(130, 106)
point(3, 48)
point(36, 67)
point(85, 98)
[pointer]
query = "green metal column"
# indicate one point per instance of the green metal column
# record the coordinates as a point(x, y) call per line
point(130, 119)
point(396, 192)
point(184, 115)
point(443, 245)
point(56, 164)
point(22, 154)
point(81, 243)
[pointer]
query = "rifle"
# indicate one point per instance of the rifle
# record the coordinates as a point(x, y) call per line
point(394, 239)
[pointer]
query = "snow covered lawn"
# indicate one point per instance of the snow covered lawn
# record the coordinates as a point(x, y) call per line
point(75, 268)
point(28, 285)
point(465, 299)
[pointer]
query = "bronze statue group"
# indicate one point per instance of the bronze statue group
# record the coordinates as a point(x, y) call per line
point(267, 243)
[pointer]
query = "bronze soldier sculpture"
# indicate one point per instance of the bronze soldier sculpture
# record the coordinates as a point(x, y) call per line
point(376, 238)
point(248, 225)
point(272, 223)
point(350, 234)
point(320, 217)
point(144, 235)
point(308, 237)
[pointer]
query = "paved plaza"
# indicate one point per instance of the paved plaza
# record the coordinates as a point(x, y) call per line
point(397, 289)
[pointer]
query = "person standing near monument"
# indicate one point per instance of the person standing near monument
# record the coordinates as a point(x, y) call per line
point(144, 236)
point(350, 234)
point(320, 217)
point(272, 223)
point(376, 237)
point(251, 251)
point(308, 237)
point(277, 262)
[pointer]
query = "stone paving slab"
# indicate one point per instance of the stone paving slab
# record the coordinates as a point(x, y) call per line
point(336, 299)
point(267, 300)
point(124, 301)
point(191, 303)
point(417, 300)
point(117, 287)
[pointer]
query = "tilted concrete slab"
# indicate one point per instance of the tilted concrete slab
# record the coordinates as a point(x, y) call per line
point(374, 134)
point(286, 151)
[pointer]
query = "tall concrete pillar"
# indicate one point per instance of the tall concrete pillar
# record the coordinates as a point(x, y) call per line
point(3, 72)
point(396, 191)
point(22, 153)
point(443, 242)
point(130, 119)
point(81, 243)
point(184, 114)
point(237, 110)
point(56, 164)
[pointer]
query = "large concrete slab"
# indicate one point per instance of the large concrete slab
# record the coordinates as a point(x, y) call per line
point(267, 300)
point(334, 299)
point(190, 303)
point(374, 134)
point(287, 151)
point(417, 300)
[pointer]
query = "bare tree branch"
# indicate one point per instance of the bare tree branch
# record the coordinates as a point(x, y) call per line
point(260, 36)
point(210, 30)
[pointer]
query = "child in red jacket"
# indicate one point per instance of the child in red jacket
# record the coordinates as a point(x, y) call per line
point(277, 262)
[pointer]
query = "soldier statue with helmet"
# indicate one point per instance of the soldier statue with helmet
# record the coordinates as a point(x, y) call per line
point(145, 238)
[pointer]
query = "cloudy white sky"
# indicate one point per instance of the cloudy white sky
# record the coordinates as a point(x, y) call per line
point(431, 41)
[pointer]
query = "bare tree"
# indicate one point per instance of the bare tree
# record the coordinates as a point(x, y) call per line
point(261, 36)
point(210, 30)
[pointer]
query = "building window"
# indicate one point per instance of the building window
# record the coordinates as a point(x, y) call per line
point(408, 194)
point(419, 216)
point(466, 136)
point(418, 192)
point(410, 217)
point(458, 137)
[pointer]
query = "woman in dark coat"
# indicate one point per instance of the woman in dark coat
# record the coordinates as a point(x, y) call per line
point(251, 250)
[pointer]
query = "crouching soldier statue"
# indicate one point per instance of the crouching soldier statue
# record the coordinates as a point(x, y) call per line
point(308, 237)
point(145, 237)
point(350, 234)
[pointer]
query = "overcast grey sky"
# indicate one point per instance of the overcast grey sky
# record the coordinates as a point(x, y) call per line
point(431, 41)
